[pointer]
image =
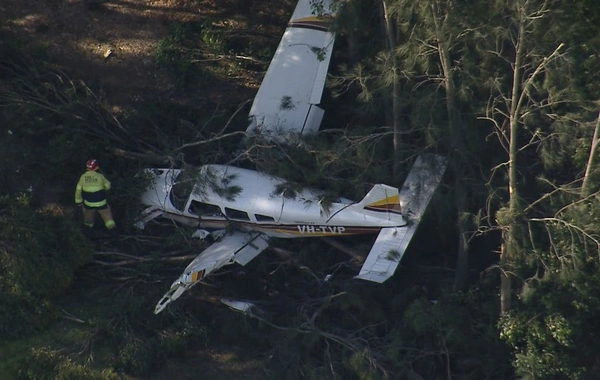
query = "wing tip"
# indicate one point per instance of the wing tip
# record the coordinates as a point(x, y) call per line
point(377, 277)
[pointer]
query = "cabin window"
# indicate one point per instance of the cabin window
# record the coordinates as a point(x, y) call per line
point(263, 218)
point(182, 188)
point(236, 214)
point(204, 209)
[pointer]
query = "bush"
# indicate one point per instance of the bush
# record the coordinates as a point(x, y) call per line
point(21, 316)
point(41, 249)
point(139, 357)
point(47, 364)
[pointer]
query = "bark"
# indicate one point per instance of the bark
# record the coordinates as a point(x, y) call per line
point(586, 186)
point(390, 32)
point(457, 145)
point(462, 226)
point(505, 284)
point(510, 235)
point(519, 95)
point(136, 259)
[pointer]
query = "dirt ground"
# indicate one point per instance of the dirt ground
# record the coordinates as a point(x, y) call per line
point(110, 43)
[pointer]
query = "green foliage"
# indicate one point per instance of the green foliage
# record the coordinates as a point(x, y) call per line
point(21, 316)
point(212, 39)
point(127, 182)
point(142, 342)
point(191, 179)
point(552, 333)
point(170, 52)
point(454, 332)
point(337, 163)
point(358, 365)
point(48, 364)
point(222, 187)
point(187, 44)
point(39, 254)
point(551, 330)
point(55, 123)
point(41, 248)
point(66, 154)
point(141, 357)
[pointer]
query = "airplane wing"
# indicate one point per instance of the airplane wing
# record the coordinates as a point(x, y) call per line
point(286, 103)
point(240, 247)
point(391, 243)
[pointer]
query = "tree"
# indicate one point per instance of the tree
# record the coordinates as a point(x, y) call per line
point(592, 162)
point(513, 101)
point(434, 53)
point(396, 90)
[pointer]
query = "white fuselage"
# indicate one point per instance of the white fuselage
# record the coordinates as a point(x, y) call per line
point(223, 195)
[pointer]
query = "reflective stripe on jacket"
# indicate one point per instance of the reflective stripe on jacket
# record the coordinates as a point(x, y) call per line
point(91, 189)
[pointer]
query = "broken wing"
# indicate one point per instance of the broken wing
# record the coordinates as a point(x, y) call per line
point(237, 247)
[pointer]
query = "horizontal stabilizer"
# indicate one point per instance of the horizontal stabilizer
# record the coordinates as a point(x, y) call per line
point(424, 177)
point(239, 305)
point(391, 243)
point(385, 255)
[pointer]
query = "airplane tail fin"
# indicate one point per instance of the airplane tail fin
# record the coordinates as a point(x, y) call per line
point(391, 243)
point(382, 198)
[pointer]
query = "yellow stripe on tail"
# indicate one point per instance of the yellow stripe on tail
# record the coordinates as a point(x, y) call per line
point(382, 198)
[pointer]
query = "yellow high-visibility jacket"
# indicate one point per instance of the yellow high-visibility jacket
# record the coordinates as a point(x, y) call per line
point(91, 189)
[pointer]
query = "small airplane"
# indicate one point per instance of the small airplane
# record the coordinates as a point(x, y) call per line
point(240, 210)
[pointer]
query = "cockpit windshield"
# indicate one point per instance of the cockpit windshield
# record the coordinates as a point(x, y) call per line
point(182, 188)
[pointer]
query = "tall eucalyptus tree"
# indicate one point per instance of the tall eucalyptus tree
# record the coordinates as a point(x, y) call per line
point(434, 52)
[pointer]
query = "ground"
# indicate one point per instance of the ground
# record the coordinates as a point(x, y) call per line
point(111, 45)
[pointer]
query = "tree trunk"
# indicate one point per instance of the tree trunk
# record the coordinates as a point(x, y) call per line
point(510, 237)
point(457, 147)
point(586, 189)
point(462, 226)
point(505, 285)
point(390, 32)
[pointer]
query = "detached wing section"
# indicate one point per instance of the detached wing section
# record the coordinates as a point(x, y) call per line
point(237, 247)
point(286, 102)
point(391, 243)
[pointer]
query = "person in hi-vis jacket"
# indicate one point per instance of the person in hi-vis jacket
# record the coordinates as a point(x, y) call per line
point(90, 194)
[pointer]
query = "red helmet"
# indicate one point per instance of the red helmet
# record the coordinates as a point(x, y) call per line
point(91, 164)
